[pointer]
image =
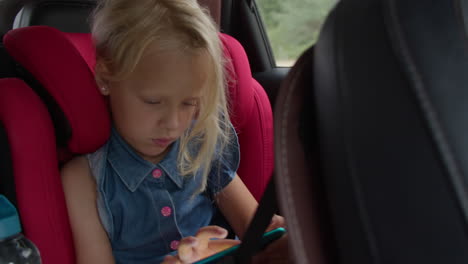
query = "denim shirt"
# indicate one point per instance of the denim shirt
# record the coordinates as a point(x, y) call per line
point(147, 208)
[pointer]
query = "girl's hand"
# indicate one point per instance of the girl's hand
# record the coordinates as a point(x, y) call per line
point(200, 246)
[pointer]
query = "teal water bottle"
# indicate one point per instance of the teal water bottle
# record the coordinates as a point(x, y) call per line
point(14, 247)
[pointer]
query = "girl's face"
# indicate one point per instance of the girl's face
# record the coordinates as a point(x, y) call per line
point(157, 103)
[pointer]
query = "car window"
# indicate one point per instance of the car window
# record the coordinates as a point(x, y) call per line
point(293, 25)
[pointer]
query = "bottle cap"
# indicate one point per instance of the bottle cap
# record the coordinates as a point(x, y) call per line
point(9, 220)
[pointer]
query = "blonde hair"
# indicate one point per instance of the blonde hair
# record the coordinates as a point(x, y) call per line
point(122, 30)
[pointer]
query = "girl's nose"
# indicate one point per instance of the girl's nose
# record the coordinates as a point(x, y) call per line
point(171, 119)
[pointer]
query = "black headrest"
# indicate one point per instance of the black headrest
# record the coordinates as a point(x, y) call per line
point(67, 16)
point(73, 15)
point(391, 104)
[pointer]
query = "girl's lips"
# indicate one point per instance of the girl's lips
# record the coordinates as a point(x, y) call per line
point(162, 142)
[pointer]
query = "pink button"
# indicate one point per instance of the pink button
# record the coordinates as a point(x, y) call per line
point(166, 211)
point(174, 244)
point(157, 173)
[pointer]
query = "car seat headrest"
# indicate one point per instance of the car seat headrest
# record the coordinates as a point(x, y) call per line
point(59, 67)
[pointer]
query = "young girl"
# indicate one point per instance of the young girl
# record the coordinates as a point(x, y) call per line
point(171, 160)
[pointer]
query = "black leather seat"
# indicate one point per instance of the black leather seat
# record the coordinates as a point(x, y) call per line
point(379, 114)
point(67, 16)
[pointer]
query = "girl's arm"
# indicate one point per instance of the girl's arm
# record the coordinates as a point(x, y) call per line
point(237, 205)
point(91, 242)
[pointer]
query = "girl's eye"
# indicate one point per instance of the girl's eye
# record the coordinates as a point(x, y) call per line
point(191, 103)
point(152, 102)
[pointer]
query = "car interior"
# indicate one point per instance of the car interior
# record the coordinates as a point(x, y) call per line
point(365, 143)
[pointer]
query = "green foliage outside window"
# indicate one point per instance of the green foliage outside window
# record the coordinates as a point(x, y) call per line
point(293, 25)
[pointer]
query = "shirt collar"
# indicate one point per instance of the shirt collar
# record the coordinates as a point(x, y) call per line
point(133, 169)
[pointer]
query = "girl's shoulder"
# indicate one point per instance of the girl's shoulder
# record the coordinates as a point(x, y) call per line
point(82, 165)
point(76, 164)
point(83, 169)
point(76, 172)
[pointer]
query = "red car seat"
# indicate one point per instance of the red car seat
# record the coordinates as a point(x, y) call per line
point(62, 64)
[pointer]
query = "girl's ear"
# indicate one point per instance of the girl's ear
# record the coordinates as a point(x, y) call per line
point(100, 71)
point(104, 90)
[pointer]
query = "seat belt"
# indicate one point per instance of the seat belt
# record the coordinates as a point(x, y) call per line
point(251, 243)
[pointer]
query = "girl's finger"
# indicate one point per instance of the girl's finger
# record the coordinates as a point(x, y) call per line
point(276, 221)
point(211, 232)
point(188, 248)
point(205, 234)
